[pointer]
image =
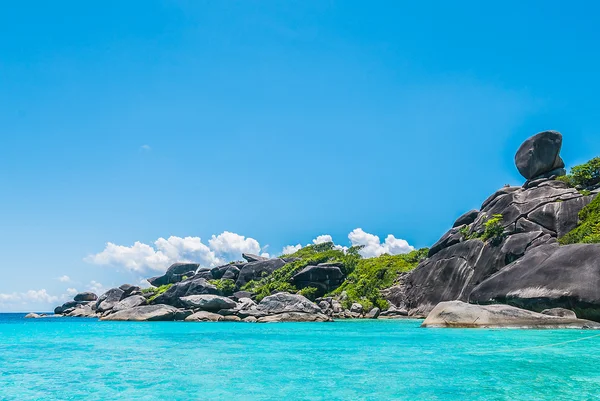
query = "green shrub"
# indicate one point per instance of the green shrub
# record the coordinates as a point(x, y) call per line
point(225, 285)
point(308, 292)
point(372, 275)
point(159, 290)
point(588, 230)
point(494, 229)
point(280, 279)
point(584, 175)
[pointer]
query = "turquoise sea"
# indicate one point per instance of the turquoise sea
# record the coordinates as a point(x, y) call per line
point(78, 359)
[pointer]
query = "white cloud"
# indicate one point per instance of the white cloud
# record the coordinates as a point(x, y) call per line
point(289, 249)
point(230, 245)
point(142, 257)
point(31, 296)
point(373, 247)
point(145, 148)
point(96, 287)
point(321, 239)
point(64, 279)
point(72, 291)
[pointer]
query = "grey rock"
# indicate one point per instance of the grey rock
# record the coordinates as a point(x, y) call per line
point(182, 314)
point(144, 313)
point(295, 317)
point(85, 311)
point(460, 314)
point(323, 277)
point(256, 270)
point(286, 302)
point(253, 258)
point(540, 154)
point(560, 312)
point(129, 289)
point(85, 296)
point(242, 294)
point(356, 308)
point(250, 319)
point(208, 302)
point(204, 316)
point(231, 273)
point(109, 299)
point(130, 302)
point(467, 218)
point(32, 316)
point(452, 237)
point(58, 310)
point(174, 274)
point(231, 318)
point(548, 276)
point(195, 286)
point(373, 313)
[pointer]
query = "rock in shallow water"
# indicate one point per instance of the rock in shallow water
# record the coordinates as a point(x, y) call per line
point(295, 317)
point(145, 313)
point(462, 315)
point(204, 316)
point(286, 302)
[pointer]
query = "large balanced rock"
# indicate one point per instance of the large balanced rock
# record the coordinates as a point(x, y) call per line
point(258, 269)
point(460, 314)
point(548, 277)
point(85, 296)
point(193, 286)
point(540, 155)
point(144, 313)
point(324, 277)
point(174, 274)
point(130, 302)
point(208, 302)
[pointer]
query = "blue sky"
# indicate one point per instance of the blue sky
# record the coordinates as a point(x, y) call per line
point(277, 122)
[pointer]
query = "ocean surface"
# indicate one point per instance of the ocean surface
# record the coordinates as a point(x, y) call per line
point(79, 359)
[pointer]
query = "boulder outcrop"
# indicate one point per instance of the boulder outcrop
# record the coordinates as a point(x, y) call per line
point(85, 296)
point(257, 269)
point(325, 277)
point(174, 274)
point(208, 302)
point(144, 313)
point(540, 155)
point(461, 314)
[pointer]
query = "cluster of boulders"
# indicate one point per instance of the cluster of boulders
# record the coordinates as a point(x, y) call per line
point(524, 266)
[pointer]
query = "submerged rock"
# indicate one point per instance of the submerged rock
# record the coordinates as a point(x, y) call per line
point(460, 314)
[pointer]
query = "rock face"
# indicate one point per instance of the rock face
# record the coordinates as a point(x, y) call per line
point(109, 299)
point(460, 314)
point(539, 155)
point(175, 273)
point(85, 296)
point(532, 216)
point(194, 286)
point(324, 277)
point(253, 258)
point(204, 316)
point(129, 302)
point(211, 303)
point(144, 313)
point(285, 302)
point(255, 270)
point(549, 276)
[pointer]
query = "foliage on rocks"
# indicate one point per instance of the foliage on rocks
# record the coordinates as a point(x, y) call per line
point(156, 291)
point(584, 175)
point(493, 230)
point(372, 275)
point(588, 230)
point(225, 285)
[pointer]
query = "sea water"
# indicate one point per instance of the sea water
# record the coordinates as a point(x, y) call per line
point(81, 359)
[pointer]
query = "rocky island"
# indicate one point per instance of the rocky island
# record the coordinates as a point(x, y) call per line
point(528, 258)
